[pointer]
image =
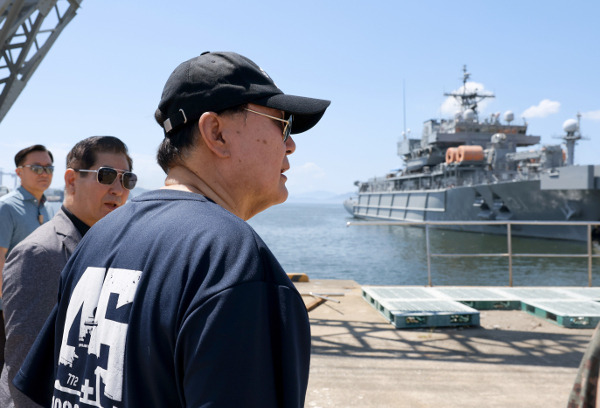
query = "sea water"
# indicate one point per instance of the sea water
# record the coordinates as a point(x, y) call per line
point(314, 239)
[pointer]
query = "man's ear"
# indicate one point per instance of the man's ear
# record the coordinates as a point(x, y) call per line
point(70, 177)
point(211, 128)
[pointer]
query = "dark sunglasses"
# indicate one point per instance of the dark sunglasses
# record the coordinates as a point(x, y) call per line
point(108, 175)
point(37, 169)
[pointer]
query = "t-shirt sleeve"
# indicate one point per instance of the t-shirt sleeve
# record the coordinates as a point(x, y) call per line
point(246, 346)
point(6, 226)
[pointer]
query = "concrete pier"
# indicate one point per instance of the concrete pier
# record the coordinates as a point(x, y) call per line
point(513, 359)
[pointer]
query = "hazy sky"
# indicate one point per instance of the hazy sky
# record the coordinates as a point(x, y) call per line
point(105, 74)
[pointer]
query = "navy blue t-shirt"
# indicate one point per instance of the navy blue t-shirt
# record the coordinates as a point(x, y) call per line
point(172, 301)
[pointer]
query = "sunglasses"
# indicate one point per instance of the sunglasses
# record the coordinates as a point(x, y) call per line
point(287, 129)
point(108, 175)
point(37, 169)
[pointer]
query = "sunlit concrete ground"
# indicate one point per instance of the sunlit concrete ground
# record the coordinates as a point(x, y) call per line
point(360, 360)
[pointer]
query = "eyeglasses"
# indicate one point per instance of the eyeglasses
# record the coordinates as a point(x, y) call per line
point(37, 169)
point(108, 175)
point(287, 129)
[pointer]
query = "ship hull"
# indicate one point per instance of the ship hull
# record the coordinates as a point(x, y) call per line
point(508, 201)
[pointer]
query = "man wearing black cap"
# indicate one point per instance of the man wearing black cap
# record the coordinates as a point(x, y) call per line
point(174, 300)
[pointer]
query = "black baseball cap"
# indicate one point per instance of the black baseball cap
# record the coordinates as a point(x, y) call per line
point(215, 81)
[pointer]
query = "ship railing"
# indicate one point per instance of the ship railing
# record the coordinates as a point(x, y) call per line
point(508, 254)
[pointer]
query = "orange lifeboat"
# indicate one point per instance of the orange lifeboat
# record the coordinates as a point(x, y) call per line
point(451, 154)
point(468, 153)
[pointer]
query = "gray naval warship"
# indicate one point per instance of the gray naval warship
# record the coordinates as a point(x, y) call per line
point(467, 169)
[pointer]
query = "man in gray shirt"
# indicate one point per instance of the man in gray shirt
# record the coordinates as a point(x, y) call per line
point(32, 270)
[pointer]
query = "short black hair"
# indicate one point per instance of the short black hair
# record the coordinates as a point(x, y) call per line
point(22, 154)
point(178, 141)
point(84, 154)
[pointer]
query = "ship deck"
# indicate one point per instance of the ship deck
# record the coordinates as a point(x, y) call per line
point(512, 356)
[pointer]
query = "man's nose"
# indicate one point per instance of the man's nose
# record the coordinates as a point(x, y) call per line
point(290, 145)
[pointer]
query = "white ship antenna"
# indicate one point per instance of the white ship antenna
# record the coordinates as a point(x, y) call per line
point(466, 76)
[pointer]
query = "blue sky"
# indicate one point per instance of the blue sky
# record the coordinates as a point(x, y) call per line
point(105, 74)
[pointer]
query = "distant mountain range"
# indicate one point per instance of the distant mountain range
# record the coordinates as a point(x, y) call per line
point(319, 197)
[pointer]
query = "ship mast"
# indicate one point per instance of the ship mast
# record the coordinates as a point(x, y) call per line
point(468, 100)
point(571, 127)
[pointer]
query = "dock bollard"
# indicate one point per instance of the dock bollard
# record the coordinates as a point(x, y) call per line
point(298, 277)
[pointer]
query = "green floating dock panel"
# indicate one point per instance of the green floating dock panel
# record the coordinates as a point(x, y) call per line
point(413, 307)
point(587, 293)
point(539, 293)
point(566, 313)
point(376, 294)
point(397, 292)
point(405, 314)
point(481, 298)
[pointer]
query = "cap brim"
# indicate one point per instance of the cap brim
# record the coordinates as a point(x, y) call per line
point(307, 111)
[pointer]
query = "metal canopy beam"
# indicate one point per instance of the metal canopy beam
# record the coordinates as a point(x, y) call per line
point(28, 28)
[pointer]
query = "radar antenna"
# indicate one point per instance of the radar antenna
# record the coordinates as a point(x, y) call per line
point(572, 128)
point(468, 100)
point(27, 31)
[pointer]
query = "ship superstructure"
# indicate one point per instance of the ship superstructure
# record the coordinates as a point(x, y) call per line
point(471, 169)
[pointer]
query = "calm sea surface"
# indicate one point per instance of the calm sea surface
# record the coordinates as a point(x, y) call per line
point(314, 239)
